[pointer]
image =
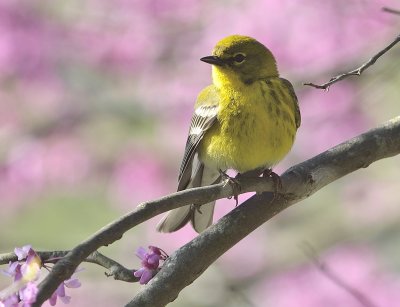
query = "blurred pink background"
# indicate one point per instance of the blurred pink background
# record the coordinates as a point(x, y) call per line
point(95, 102)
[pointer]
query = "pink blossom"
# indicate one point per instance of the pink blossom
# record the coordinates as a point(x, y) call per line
point(11, 301)
point(28, 294)
point(22, 252)
point(150, 263)
point(14, 270)
point(27, 269)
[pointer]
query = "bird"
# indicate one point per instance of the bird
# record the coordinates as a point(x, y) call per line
point(246, 121)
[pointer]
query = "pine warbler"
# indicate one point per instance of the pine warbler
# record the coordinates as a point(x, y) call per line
point(246, 120)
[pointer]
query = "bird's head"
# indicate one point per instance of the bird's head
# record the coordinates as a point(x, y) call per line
point(241, 58)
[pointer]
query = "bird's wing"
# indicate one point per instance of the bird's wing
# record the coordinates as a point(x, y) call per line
point(289, 87)
point(193, 173)
point(205, 115)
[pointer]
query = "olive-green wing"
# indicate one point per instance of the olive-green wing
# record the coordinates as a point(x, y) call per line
point(289, 87)
point(205, 115)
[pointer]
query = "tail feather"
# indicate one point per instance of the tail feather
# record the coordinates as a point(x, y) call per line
point(175, 219)
point(200, 217)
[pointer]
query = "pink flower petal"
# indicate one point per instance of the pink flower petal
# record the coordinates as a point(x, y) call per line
point(53, 299)
point(65, 299)
point(139, 272)
point(141, 252)
point(146, 276)
point(22, 252)
point(72, 283)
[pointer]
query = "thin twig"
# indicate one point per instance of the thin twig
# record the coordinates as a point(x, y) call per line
point(390, 10)
point(116, 270)
point(358, 71)
point(324, 269)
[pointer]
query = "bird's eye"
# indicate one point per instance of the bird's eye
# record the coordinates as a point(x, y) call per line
point(239, 58)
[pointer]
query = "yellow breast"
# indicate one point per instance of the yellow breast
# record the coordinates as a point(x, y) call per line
point(255, 127)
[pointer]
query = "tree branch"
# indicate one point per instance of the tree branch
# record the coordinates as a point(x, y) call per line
point(390, 10)
point(358, 71)
point(118, 271)
point(299, 182)
point(187, 263)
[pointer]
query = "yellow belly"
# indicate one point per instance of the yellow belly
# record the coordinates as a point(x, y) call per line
point(252, 131)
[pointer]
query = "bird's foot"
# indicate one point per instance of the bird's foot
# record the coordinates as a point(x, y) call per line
point(234, 183)
point(268, 173)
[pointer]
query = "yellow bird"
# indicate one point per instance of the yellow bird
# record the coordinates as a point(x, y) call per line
point(246, 121)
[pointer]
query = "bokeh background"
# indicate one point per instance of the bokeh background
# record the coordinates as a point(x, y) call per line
point(95, 102)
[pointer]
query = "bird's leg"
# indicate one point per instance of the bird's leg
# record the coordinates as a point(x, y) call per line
point(276, 180)
point(234, 183)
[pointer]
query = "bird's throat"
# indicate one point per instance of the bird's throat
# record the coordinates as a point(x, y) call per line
point(226, 78)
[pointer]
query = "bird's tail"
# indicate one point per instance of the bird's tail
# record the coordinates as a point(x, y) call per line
point(200, 216)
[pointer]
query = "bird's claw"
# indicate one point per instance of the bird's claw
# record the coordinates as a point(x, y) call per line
point(268, 173)
point(234, 183)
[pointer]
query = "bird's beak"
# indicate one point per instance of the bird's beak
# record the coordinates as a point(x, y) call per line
point(214, 60)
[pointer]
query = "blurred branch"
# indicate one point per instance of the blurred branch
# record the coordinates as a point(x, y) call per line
point(191, 260)
point(358, 71)
point(390, 10)
point(328, 273)
point(118, 271)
